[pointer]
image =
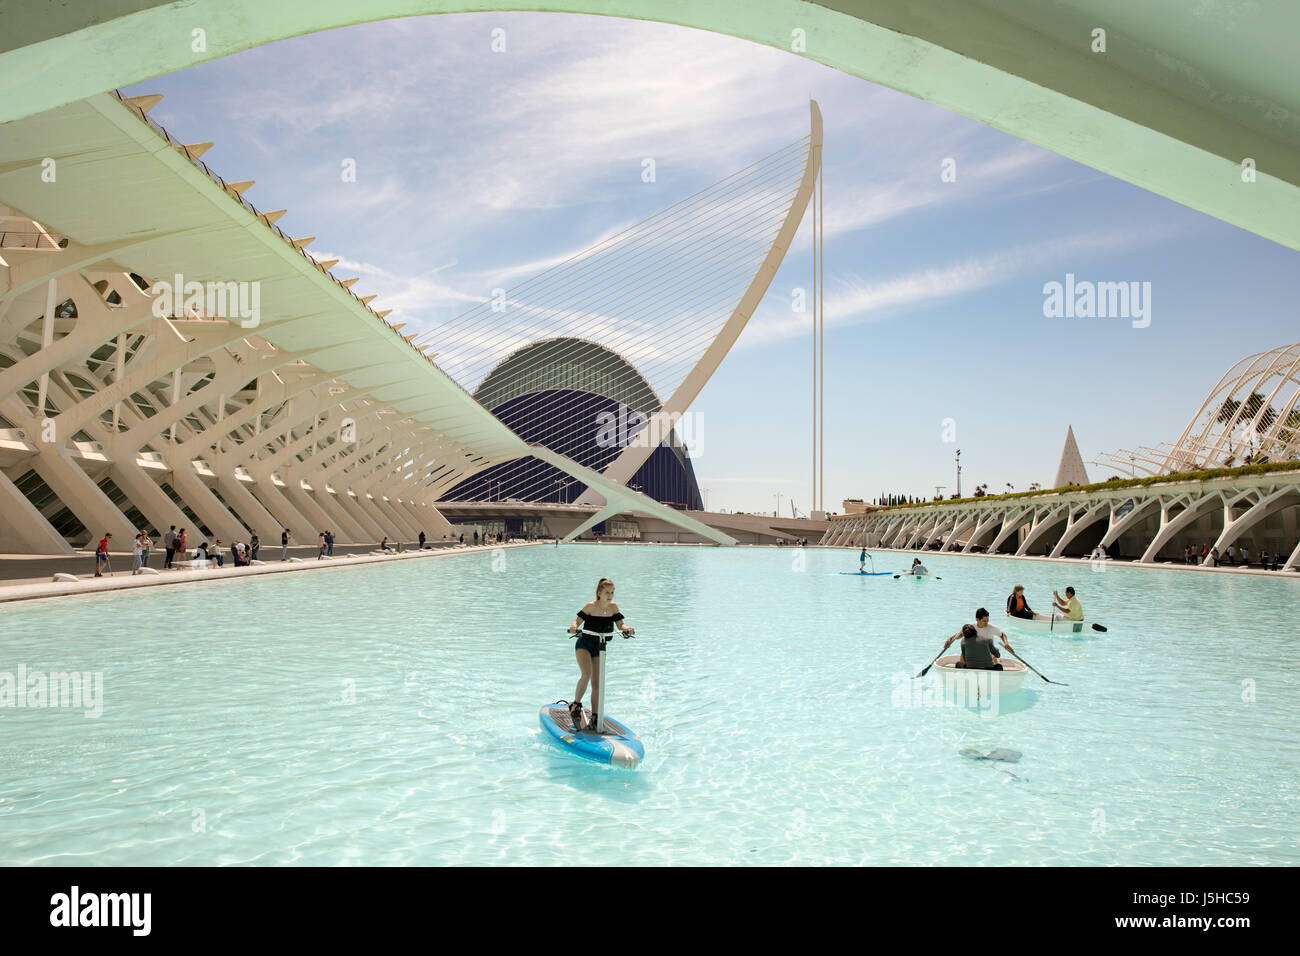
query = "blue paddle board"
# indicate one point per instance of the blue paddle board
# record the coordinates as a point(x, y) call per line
point(617, 746)
point(868, 574)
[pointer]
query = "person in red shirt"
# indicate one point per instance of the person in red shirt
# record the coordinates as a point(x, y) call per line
point(101, 553)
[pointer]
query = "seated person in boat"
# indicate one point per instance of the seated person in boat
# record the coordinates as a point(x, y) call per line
point(1069, 606)
point(918, 568)
point(977, 653)
point(1017, 606)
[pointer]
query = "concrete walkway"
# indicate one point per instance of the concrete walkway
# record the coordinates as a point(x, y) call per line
point(300, 559)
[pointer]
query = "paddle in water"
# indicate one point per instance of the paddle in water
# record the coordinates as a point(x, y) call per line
point(925, 670)
point(1035, 669)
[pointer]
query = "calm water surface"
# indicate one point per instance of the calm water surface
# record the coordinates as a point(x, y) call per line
point(388, 715)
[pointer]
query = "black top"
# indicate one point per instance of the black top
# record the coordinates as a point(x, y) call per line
point(978, 651)
point(598, 625)
point(1011, 604)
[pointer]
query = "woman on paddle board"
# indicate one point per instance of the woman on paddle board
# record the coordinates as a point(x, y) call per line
point(596, 621)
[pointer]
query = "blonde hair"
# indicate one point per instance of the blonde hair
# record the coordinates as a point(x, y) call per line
point(600, 584)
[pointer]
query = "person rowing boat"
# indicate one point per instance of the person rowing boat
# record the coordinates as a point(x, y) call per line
point(594, 624)
point(1069, 606)
point(978, 644)
point(917, 568)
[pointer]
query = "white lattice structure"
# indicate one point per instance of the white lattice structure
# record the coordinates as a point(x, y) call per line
point(116, 415)
point(1151, 523)
point(1251, 415)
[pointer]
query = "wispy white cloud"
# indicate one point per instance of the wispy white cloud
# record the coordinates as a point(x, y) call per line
point(853, 299)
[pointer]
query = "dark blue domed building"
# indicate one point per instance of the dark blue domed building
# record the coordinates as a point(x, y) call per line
point(584, 401)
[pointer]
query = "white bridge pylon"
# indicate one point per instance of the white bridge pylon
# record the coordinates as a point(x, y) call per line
point(662, 423)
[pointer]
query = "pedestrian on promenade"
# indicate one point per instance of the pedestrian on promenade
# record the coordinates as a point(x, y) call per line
point(101, 553)
point(284, 545)
point(329, 544)
point(137, 549)
point(146, 545)
point(169, 542)
point(320, 545)
point(253, 546)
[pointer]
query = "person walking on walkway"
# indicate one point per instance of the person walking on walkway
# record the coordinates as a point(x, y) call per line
point(284, 545)
point(137, 549)
point(101, 553)
point(254, 544)
point(169, 542)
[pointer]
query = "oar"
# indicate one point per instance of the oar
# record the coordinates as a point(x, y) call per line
point(1035, 669)
point(927, 667)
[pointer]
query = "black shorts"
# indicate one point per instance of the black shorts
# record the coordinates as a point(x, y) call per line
point(589, 644)
point(972, 667)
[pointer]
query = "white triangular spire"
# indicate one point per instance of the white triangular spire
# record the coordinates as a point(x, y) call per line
point(1070, 471)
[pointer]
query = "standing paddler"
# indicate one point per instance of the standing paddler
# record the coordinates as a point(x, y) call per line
point(594, 624)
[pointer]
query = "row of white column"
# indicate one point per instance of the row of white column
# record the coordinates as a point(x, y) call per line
point(1243, 509)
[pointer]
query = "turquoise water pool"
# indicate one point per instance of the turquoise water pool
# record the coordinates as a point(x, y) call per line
point(388, 714)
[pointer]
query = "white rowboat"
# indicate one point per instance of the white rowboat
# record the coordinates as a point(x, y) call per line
point(1042, 624)
point(973, 683)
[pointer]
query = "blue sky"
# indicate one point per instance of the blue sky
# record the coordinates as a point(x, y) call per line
point(476, 169)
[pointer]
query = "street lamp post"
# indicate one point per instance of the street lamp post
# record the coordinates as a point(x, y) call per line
point(958, 472)
point(777, 512)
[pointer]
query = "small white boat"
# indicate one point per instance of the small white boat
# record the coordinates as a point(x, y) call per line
point(1043, 624)
point(972, 682)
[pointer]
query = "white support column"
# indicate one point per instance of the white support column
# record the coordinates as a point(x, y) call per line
point(1169, 527)
point(47, 339)
point(1275, 500)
